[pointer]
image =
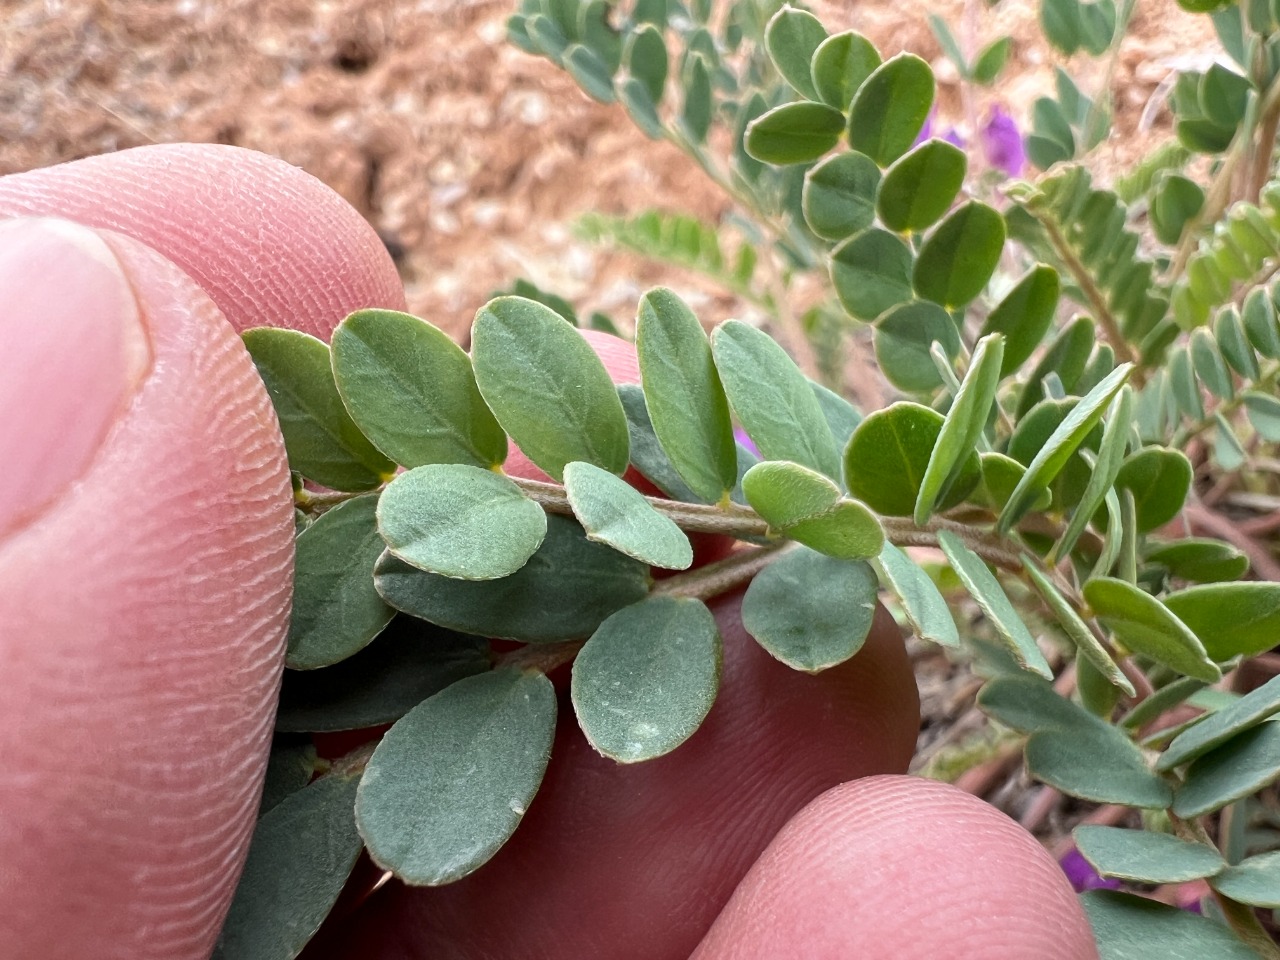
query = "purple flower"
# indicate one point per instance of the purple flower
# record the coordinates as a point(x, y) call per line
point(741, 436)
point(927, 130)
point(1082, 875)
point(1002, 143)
point(952, 136)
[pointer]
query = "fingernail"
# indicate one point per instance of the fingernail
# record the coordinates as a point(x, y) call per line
point(73, 351)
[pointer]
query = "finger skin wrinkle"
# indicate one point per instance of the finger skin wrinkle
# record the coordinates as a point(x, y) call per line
point(142, 625)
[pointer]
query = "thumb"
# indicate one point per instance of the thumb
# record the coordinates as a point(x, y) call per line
point(898, 868)
point(145, 565)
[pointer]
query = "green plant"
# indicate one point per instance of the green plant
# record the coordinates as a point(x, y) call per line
point(1080, 367)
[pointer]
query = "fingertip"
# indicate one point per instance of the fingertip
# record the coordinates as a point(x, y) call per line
point(902, 868)
point(269, 243)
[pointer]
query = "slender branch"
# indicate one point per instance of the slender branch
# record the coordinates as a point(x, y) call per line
point(721, 576)
point(1106, 319)
point(542, 657)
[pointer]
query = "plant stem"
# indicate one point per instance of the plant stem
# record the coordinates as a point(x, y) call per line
point(1097, 300)
point(540, 657)
point(721, 576)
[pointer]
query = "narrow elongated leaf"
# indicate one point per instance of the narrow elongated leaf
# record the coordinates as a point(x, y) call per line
point(797, 132)
point(1062, 444)
point(922, 603)
point(904, 341)
point(890, 108)
point(1159, 479)
point(647, 454)
point(990, 61)
point(432, 807)
point(772, 398)
point(408, 662)
point(839, 197)
point(1255, 880)
point(686, 403)
point(590, 72)
point(1240, 767)
point(460, 521)
point(1201, 560)
point(986, 590)
point(563, 593)
point(412, 392)
point(547, 387)
point(1145, 625)
point(641, 108)
point(1024, 315)
point(1137, 928)
point(302, 852)
point(1145, 857)
point(322, 441)
point(646, 60)
point(1029, 704)
point(964, 424)
point(1231, 619)
point(960, 255)
point(811, 611)
point(613, 512)
point(336, 611)
point(695, 113)
point(1111, 450)
point(920, 186)
point(840, 65)
point(647, 678)
point(1070, 621)
point(886, 459)
point(1217, 728)
point(786, 493)
point(1263, 411)
point(871, 272)
point(792, 37)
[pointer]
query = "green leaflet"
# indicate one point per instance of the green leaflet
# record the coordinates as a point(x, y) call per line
point(1111, 450)
point(431, 807)
point(547, 387)
point(786, 493)
point(1255, 881)
point(1084, 639)
point(1145, 857)
point(1145, 625)
point(904, 339)
point(615, 513)
point(840, 65)
point(773, 399)
point(1219, 727)
point(871, 272)
point(811, 611)
point(686, 403)
point(336, 611)
point(322, 441)
point(1062, 444)
point(922, 603)
point(963, 426)
point(1200, 560)
point(564, 592)
point(460, 521)
point(960, 255)
point(646, 60)
point(408, 662)
point(647, 678)
point(986, 590)
point(1160, 480)
point(797, 132)
point(1240, 767)
point(886, 459)
point(1024, 315)
point(647, 454)
point(919, 187)
point(890, 108)
point(1129, 927)
point(1231, 619)
point(302, 852)
point(792, 37)
point(412, 392)
point(839, 197)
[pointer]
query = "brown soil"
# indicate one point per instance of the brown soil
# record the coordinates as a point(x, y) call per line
point(470, 157)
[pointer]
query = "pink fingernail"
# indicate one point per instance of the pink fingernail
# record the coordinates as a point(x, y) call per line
point(73, 350)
